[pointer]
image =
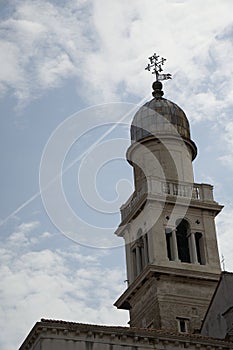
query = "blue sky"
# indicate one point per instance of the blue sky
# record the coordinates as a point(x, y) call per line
point(85, 60)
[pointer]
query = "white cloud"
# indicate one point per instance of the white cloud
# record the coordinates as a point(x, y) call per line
point(28, 226)
point(54, 70)
point(226, 141)
point(48, 43)
point(21, 236)
point(62, 283)
point(40, 42)
point(46, 234)
point(9, 67)
point(53, 292)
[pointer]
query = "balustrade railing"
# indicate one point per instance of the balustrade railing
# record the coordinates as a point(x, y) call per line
point(182, 190)
point(200, 192)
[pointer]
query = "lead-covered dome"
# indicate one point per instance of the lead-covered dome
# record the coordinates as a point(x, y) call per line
point(159, 116)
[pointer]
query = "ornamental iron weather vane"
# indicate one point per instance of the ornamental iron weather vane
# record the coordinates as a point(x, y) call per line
point(156, 64)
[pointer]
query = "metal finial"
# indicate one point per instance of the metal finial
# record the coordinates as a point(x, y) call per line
point(156, 64)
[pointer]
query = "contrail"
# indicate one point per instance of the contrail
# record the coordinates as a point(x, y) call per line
point(37, 194)
point(20, 207)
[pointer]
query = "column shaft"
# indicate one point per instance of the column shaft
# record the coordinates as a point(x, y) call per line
point(193, 248)
point(174, 246)
point(146, 259)
point(138, 260)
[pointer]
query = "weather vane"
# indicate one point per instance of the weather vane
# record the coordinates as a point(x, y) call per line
point(156, 64)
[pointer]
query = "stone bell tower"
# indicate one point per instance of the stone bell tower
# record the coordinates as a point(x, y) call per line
point(168, 222)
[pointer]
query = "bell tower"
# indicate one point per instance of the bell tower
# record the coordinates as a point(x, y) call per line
point(168, 222)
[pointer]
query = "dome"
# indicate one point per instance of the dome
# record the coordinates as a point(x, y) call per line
point(159, 116)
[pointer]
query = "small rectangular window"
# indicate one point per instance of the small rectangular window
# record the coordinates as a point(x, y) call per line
point(182, 324)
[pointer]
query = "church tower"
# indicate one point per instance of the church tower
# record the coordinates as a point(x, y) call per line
point(168, 222)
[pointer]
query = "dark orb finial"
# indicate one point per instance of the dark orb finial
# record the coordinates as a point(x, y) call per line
point(157, 87)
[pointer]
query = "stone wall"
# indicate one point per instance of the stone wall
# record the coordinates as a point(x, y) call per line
point(61, 335)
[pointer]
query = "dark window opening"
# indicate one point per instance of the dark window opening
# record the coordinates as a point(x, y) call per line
point(168, 233)
point(182, 325)
point(199, 248)
point(182, 232)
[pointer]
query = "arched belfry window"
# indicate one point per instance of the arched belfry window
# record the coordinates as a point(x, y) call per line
point(182, 238)
point(184, 245)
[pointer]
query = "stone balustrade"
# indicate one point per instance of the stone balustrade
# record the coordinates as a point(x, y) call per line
point(154, 186)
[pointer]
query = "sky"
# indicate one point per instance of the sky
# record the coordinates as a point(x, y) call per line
point(71, 78)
